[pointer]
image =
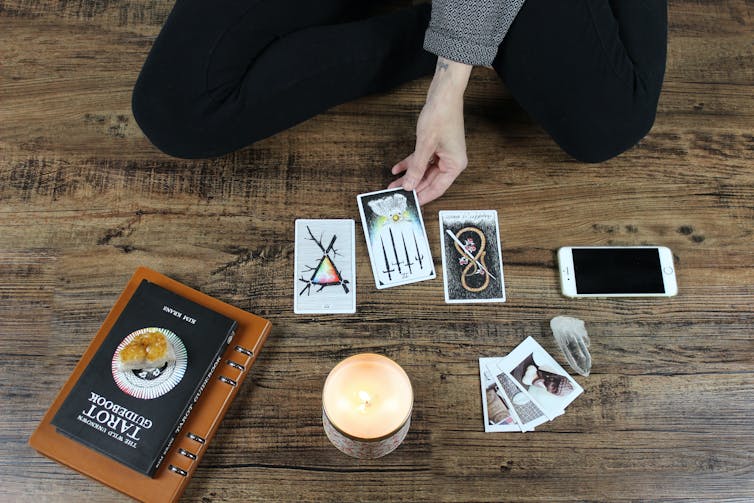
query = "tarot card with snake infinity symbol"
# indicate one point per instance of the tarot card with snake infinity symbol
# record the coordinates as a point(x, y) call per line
point(472, 262)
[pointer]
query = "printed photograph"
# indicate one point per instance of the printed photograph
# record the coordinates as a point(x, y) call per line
point(497, 412)
point(497, 415)
point(542, 377)
point(527, 411)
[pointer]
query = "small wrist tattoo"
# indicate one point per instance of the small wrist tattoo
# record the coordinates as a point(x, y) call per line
point(441, 65)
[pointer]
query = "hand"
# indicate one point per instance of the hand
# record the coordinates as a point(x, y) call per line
point(440, 152)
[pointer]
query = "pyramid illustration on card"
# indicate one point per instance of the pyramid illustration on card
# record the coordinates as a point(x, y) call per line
point(326, 273)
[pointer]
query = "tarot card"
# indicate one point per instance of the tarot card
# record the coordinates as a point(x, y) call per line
point(396, 237)
point(537, 372)
point(472, 264)
point(526, 412)
point(497, 415)
point(325, 267)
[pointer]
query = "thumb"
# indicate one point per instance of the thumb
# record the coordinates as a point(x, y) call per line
point(417, 165)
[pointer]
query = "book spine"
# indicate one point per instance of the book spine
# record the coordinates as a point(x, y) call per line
point(189, 408)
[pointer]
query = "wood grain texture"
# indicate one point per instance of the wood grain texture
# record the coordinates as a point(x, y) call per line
point(85, 199)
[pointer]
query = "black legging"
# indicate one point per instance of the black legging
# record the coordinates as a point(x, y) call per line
point(226, 73)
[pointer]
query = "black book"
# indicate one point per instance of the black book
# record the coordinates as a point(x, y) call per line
point(132, 412)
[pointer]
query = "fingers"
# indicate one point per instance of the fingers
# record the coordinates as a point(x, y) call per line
point(438, 176)
point(401, 166)
point(396, 183)
point(429, 178)
point(436, 187)
point(417, 165)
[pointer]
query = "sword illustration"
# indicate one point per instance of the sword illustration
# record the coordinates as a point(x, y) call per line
point(419, 256)
point(405, 250)
point(387, 264)
point(395, 252)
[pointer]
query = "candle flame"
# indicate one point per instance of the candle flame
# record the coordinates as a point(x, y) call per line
point(365, 398)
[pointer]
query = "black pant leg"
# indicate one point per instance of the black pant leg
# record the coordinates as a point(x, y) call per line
point(643, 28)
point(224, 74)
point(589, 71)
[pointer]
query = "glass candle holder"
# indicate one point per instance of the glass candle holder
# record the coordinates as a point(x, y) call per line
point(366, 405)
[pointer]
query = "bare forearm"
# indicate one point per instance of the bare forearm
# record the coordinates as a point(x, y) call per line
point(449, 82)
point(440, 152)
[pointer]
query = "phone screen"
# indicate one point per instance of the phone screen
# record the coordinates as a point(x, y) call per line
point(617, 270)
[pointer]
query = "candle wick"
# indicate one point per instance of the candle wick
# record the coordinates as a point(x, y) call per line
point(365, 401)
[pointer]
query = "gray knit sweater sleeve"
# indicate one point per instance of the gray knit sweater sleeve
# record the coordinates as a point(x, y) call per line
point(469, 31)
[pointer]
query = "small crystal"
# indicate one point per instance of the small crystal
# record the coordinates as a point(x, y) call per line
point(571, 336)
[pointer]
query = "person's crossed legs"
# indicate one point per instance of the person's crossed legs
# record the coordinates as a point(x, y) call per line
point(588, 71)
point(224, 74)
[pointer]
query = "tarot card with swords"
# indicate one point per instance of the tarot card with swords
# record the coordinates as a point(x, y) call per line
point(325, 267)
point(396, 237)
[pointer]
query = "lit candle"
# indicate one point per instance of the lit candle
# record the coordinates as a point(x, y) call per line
point(366, 405)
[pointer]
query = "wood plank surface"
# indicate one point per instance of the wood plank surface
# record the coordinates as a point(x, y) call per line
point(85, 199)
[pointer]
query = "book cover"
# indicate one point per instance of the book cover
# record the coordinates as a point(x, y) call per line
point(133, 397)
point(184, 456)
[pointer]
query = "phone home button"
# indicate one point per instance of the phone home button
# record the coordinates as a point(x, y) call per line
point(668, 270)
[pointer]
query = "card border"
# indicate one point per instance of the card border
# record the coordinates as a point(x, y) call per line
point(448, 300)
point(359, 203)
point(296, 308)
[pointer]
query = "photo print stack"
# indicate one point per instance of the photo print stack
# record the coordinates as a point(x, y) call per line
point(524, 389)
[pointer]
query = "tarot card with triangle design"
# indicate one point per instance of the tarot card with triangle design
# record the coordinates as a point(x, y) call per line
point(325, 267)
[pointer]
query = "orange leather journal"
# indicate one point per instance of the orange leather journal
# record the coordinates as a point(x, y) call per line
point(181, 461)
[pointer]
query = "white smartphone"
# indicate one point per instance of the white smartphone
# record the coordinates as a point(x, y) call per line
point(617, 271)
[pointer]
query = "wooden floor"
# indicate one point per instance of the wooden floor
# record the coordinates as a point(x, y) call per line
point(85, 199)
